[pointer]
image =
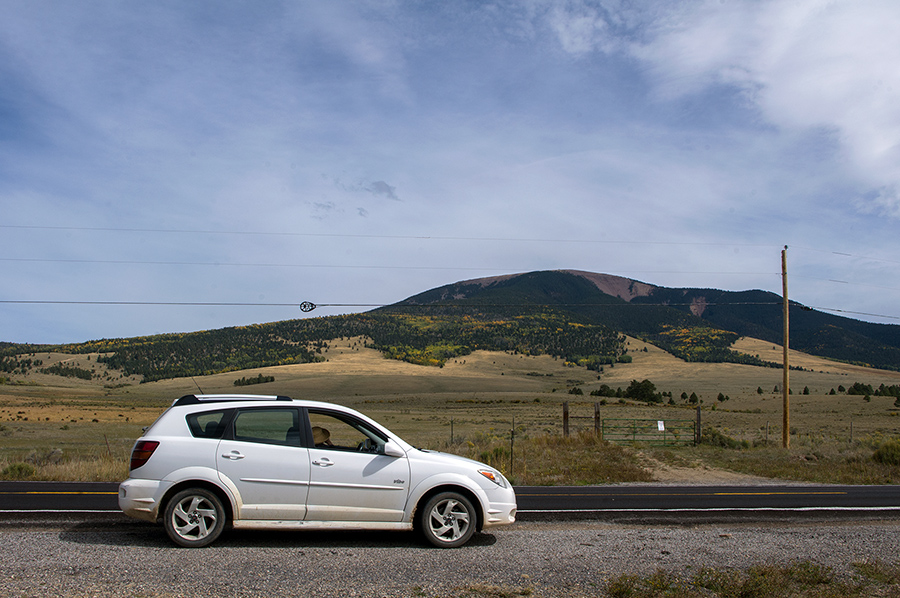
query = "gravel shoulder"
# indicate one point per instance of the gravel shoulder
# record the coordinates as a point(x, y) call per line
point(538, 559)
point(108, 556)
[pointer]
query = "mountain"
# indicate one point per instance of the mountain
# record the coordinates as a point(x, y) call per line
point(653, 312)
point(581, 317)
point(759, 314)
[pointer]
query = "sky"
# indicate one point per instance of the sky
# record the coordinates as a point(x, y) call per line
point(171, 167)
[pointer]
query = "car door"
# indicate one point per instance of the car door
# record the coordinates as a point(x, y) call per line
point(350, 477)
point(264, 458)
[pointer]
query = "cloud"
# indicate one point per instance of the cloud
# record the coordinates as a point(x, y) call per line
point(806, 65)
point(382, 188)
point(524, 131)
point(885, 200)
point(323, 209)
point(580, 28)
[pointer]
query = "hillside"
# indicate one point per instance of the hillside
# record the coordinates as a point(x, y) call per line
point(759, 314)
point(580, 317)
point(585, 299)
point(694, 324)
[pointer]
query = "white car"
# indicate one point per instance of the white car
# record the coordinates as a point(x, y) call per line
point(214, 461)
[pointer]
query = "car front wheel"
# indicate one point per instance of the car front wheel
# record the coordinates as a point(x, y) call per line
point(194, 518)
point(448, 520)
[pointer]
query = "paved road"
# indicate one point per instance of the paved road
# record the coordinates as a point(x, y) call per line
point(541, 501)
point(69, 539)
point(64, 497)
point(107, 555)
point(631, 498)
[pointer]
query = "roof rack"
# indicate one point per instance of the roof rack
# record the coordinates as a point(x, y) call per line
point(200, 399)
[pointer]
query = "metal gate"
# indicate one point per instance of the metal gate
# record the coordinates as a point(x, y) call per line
point(649, 431)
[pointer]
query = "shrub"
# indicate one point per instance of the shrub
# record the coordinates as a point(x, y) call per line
point(18, 471)
point(713, 437)
point(888, 453)
point(643, 391)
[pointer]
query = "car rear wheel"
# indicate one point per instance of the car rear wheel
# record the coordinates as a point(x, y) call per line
point(448, 520)
point(194, 518)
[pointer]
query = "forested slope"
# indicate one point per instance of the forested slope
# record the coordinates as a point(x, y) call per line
point(560, 313)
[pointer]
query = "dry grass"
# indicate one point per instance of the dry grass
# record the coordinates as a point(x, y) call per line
point(807, 460)
point(762, 581)
point(481, 397)
point(552, 460)
point(98, 469)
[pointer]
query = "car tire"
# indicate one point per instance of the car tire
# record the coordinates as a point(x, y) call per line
point(194, 518)
point(448, 520)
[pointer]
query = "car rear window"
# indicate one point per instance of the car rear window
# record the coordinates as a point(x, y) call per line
point(210, 424)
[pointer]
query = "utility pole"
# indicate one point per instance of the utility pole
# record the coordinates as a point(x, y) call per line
point(785, 383)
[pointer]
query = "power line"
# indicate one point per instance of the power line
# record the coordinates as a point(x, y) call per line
point(231, 264)
point(308, 306)
point(422, 238)
point(856, 313)
point(845, 254)
point(377, 267)
point(380, 267)
point(144, 303)
point(421, 305)
point(369, 236)
point(856, 284)
point(330, 266)
point(396, 237)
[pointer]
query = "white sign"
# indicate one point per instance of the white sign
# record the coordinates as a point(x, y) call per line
point(662, 426)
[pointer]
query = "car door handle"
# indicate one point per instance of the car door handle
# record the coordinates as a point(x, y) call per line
point(324, 462)
point(233, 455)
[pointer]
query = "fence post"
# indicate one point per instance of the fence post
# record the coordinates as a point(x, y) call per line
point(697, 433)
point(597, 418)
point(566, 419)
point(512, 446)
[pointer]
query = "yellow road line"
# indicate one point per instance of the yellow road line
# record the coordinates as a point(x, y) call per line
point(615, 494)
point(62, 493)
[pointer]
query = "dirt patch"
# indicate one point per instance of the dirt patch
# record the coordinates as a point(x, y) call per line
point(698, 474)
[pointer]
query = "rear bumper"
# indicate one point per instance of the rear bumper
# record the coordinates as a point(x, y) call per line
point(140, 498)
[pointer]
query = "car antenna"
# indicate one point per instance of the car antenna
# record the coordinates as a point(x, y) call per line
point(197, 385)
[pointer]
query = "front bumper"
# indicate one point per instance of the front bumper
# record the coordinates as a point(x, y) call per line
point(501, 510)
point(500, 514)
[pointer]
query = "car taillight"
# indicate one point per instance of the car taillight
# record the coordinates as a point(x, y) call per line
point(142, 451)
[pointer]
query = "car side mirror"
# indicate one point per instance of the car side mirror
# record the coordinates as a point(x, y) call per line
point(392, 449)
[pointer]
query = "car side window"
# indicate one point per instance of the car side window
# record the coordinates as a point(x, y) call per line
point(268, 426)
point(335, 431)
point(209, 424)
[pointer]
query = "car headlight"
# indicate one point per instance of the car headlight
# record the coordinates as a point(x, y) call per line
point(493, 476)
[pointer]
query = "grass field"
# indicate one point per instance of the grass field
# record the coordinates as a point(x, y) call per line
point(73, 429)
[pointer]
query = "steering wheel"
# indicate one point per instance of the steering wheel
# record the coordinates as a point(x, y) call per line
point(367, 446)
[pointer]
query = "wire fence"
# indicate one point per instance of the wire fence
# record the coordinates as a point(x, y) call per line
point(651, 431)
